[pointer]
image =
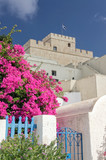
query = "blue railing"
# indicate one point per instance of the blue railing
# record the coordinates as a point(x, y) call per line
point(71, 142)
point(19, 126)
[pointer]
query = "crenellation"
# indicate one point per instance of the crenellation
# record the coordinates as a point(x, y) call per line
point(46, 45)
point(59, 35)
point(40, 43)
point(77, 50)
point(83, 51)
point(63, 37)
point(55, 35)
point(58, 47)
point(26, 45)
point(32, 42)
point(90, 53)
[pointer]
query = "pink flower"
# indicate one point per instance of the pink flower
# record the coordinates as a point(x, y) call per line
point(0, 48)
point(65, 99)
point(28, 93)
point(50, 77)
point(104, 153)
point(34, 65)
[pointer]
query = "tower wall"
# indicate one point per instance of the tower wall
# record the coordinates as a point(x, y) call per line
point(59, 48)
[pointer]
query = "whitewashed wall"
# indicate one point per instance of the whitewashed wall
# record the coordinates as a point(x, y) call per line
point(2, 129)
point(73, 97)
point(97, 125)
point(89, 118)
point(46, 128)
point(62, 73)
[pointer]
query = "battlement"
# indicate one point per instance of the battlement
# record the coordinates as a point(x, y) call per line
point(47, 46)
point(59, 48)
point(84, 52)
point(39, 44)
point(58, 37)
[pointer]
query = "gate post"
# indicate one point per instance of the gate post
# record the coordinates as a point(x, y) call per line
point(46, 128)
point(2, 129)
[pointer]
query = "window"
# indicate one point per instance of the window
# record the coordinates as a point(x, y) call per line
point(53, 73)
point(69, 45)
point(54, 48)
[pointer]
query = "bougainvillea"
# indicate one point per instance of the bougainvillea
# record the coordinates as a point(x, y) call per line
point(24, 92)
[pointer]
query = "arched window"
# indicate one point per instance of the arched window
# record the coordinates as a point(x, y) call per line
point(69, 45)
point(54, 48)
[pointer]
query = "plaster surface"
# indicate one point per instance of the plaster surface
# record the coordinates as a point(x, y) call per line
point(46, 128)
point(89, 118)
point(2, 129)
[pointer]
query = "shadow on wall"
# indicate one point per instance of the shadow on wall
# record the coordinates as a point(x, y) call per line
point(102, 152)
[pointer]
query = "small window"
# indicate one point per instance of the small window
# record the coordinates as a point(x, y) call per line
point(54, 48)
point(69, 45)
point(53, 73)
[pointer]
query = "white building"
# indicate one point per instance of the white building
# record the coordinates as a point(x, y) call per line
point(82, 76)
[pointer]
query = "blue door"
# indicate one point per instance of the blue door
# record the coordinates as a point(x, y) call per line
point(71, 142)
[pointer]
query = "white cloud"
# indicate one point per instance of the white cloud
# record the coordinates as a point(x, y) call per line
point(99, 17)
point(23, 9)
point(103, 18)
point(96, 15)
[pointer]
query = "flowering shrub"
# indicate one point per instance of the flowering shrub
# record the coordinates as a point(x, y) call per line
point(23, 149)
point(24, 92)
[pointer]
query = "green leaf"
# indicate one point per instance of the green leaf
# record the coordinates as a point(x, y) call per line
point(16, 99)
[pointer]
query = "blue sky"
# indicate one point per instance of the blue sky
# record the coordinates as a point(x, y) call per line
point(85, 20)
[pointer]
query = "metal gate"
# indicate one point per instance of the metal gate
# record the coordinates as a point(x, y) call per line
point(71, 142)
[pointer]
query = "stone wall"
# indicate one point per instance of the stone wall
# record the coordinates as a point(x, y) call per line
point(63, 55)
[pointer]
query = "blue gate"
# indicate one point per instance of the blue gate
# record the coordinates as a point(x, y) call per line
point(71, 142)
